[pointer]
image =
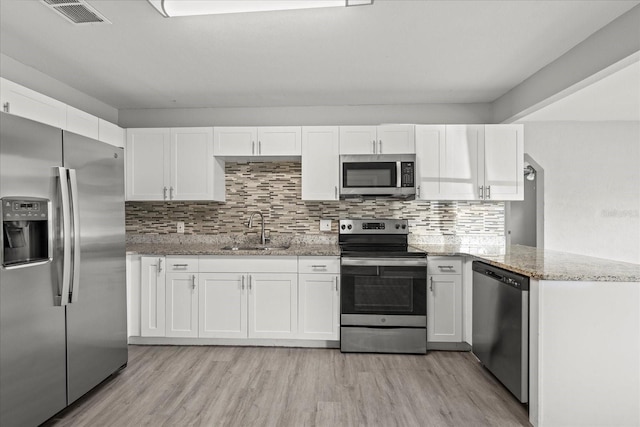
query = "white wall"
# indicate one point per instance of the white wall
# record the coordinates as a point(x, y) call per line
point(592, 186)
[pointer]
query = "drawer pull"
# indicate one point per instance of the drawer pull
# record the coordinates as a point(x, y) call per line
point(318, 266)
point(180, 265)
point(445, 266)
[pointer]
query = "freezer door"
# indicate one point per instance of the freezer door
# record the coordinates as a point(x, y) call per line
point(32, 328)
point(96, 317)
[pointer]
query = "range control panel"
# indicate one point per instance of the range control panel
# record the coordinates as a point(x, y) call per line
point(373, 226)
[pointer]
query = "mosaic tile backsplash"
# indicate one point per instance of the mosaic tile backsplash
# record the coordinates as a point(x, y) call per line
point(273, 188)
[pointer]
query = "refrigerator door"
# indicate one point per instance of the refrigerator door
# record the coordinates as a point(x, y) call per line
point(32, 326)
point(96, 317)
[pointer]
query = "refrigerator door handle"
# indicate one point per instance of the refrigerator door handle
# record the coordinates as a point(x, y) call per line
point(66, 237)
point(75, 210)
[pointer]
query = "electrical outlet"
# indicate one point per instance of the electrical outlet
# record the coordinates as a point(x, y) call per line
point(325, 225)
point(180, 227)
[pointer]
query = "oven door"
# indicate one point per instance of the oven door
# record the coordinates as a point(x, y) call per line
point(384, 292)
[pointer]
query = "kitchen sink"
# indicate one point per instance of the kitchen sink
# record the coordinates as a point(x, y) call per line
point(255, 248)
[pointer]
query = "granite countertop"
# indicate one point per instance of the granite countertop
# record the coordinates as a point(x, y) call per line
point(217, 249)
point(544, 264)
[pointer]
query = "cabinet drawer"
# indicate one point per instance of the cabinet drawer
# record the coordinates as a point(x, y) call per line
point(248, 264)
point(312, 264)
point(445, 265)
point(182, 264)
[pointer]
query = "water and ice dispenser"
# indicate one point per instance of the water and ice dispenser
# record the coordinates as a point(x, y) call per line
point(25, 231)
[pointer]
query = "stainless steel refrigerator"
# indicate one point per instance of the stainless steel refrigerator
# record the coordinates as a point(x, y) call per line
point(62, 270)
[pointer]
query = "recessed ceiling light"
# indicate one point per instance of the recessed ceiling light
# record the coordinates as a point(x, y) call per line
point(172, 8)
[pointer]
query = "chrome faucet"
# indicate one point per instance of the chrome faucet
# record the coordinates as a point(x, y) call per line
point(263, 239)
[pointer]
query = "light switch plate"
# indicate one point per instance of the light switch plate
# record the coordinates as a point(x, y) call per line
point(325, 225)
point(180, 227)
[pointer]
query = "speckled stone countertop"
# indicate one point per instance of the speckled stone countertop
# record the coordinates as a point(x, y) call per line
point(544, 264)
point(217, 249)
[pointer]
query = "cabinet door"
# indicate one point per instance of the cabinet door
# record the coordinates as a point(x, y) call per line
point(235, 141)
point(148, 164)
point(24, 102)
point(444, 308)
point(279, 141)
point(182, 305)
point(319, 316)
point(192, 164)
point(430, 148)
point(358, 140)
point(503, 162)
point(320, 163)
point(273, 305)
point(460, 179)
point(396, 139)
point(222, 305)
point(152, 297)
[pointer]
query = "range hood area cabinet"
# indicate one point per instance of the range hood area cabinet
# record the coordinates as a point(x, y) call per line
point(470, 162)
point(173, 164)
point(383, 139)
point(279, 141)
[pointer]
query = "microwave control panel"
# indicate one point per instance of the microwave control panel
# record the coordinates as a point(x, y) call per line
point(407, 173)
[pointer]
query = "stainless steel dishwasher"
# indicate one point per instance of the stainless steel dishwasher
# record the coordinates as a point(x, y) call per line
point(501, 326)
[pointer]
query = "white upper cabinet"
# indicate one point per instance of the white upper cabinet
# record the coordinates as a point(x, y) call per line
point(82, 123)
point(173, 164)
point(504, 162)
point(111, 134)
point(469, 162)
point(320, 163)
point(24, 102)
point(384, 139)
point(148, 164)
point(257, 141)
point(195, 174)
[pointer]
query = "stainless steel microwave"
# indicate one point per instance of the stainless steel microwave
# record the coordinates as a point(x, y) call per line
point(378, 175)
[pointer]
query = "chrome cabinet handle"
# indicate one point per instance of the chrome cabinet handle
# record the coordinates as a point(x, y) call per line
point(159, 265)
point(482, 192)
point(249, 282)
point(418, 191)
point(318, 266)
point(335, 190)
point(193, 281)
point(259, 147)
point(180, 265)
point(488, 191)
point(431, 284)
point(380, 149)
point(445, 266)
point(164, 193)
point(243, 282)
point(170, 193)
point(374, 146)
point(253, 147)
point(336, 283)
point(5, 107)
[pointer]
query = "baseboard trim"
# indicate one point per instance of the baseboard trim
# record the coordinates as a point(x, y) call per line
point(234, 342)
point(449, 346)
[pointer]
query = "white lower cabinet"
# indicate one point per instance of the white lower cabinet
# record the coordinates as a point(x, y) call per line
point(182, 305)
point(239, 297)
point(319, 298)
point(222, 305)
point(152, 296)
point(444, 300)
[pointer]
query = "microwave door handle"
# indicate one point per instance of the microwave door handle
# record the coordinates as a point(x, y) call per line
point(66, 236)
point(398, 174)
point(75, 218)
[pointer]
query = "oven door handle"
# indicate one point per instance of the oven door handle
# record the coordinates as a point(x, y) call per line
point(384, 262)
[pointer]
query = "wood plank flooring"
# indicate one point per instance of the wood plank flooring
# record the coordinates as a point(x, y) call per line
point(267, 386)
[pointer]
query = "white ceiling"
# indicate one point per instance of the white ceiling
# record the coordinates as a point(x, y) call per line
point(393, 52)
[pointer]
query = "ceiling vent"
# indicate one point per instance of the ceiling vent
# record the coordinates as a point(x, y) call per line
point(76, 11)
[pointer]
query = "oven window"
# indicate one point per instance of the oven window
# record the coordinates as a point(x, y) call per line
point(369, 174)
point(383, 295)
point(383, 290)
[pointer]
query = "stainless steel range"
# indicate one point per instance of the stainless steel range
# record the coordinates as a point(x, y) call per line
point(384, 287)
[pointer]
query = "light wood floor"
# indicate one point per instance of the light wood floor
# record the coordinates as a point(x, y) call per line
point(266, 386)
